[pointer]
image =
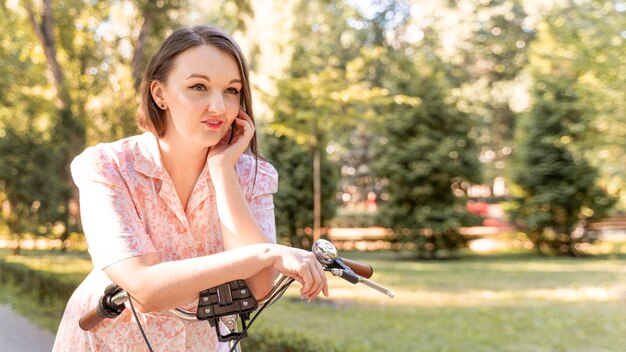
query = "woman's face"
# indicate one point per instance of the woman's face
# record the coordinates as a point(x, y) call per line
point(202, 96)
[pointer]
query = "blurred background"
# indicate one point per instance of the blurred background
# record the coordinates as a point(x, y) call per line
point(489, 131)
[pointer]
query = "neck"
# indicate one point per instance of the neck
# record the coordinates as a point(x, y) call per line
point(182, 158)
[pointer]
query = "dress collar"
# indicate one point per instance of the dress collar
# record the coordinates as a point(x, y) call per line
point(149, 160)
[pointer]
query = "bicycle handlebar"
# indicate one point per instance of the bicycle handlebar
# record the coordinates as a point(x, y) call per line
point(111, 304)
point(361, 269)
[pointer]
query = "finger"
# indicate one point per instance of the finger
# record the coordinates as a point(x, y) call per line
point(316, 284)
point(321, 281)
point(297, 278)
point(243, 128)
point(308, 281)
point(324, 279)
point(243, 116)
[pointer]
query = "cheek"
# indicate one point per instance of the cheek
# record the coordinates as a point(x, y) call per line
point(232, 106)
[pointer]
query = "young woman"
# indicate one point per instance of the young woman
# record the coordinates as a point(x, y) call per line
point(183, 207)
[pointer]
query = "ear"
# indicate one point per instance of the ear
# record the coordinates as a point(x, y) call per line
point(156, 89)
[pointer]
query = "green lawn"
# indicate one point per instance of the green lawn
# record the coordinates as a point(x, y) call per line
point(513, 302)
point(480, 303)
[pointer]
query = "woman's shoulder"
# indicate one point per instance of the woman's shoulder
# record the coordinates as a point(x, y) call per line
point(248, 165)
point(256, 175)
point(110, 156)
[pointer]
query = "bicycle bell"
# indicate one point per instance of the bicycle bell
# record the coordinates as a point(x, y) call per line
point(325, 252)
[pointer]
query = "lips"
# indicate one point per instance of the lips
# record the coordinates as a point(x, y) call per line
point(213, 123)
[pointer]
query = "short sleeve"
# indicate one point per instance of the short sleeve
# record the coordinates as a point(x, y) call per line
point(259, 182)
point(109, 218)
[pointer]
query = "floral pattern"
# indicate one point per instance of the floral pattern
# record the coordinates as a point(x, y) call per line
point(129, 207)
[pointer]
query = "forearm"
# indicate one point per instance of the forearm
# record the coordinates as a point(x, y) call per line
point(239, 226)
point(158, 286)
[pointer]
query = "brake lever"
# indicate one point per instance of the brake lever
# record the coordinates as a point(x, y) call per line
point(353, 278)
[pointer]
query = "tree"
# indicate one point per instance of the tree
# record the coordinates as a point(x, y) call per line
point(573, 127)
point(425, 157)
point(489, 67)
point(70, 84)
point(30, 191)
point(559, 191)
point(312, 99)
point(295, 189)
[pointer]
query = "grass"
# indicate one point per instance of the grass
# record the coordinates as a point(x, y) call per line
point(69, 267)
point(480, 303)
point(498, 302)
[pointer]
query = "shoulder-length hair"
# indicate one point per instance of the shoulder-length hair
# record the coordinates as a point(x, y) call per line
point(150, 117)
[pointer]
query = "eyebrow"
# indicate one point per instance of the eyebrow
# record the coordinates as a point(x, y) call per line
point(197, 75)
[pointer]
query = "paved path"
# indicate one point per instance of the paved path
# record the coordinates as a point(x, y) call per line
point(18, 334)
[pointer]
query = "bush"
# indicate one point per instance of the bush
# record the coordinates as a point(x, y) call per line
point(282, 341)
point(46, 287)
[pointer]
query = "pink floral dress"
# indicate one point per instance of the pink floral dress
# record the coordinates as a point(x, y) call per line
point(129, 207)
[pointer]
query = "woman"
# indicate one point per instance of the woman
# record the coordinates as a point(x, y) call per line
point(183, 207)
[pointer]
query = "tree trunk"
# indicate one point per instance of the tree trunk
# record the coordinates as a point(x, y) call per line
point(18, 247)
point(45, 34)
point(140, 45)
point(69, 130)
point(317, 192)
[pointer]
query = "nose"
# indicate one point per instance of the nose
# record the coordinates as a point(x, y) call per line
point(216, 104)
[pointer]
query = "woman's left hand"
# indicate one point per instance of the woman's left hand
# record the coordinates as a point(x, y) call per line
point(226, 154)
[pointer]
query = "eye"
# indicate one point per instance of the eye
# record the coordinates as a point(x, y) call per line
point(198, 87)
point(232, 91)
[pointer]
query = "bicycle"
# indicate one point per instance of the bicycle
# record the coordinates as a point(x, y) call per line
point(232, 301)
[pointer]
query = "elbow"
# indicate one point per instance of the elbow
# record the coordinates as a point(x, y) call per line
point(261, 292)
point(142, 300)
point(142, 308)
point(262, 284)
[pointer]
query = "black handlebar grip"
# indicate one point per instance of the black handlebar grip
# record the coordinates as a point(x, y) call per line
point(349, 276)
point(91, 319)
point(361, 269)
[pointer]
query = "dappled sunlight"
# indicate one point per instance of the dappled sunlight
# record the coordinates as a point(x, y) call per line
point(475, 298)
point(487, 245)
point(54, 263)
point(560, 267)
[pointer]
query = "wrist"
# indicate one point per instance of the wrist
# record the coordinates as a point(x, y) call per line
point(269, 253)
point(221, 172)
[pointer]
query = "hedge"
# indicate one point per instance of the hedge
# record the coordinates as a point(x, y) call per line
point(262, 340)
point(45, 286)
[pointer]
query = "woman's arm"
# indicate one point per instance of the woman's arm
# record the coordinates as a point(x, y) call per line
point(159, 286)
point(238, 224)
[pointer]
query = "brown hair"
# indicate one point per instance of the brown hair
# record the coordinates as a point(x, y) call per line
point(150, 117)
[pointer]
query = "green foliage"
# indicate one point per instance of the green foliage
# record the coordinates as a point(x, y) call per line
point(65, 71)
point(294, 201)
point(487, 71)
point(585, 42)
point(424, 154)
point(559, 186)
point(574, 126)
point(310, 104)
point(46, 286)
point(31, 193)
